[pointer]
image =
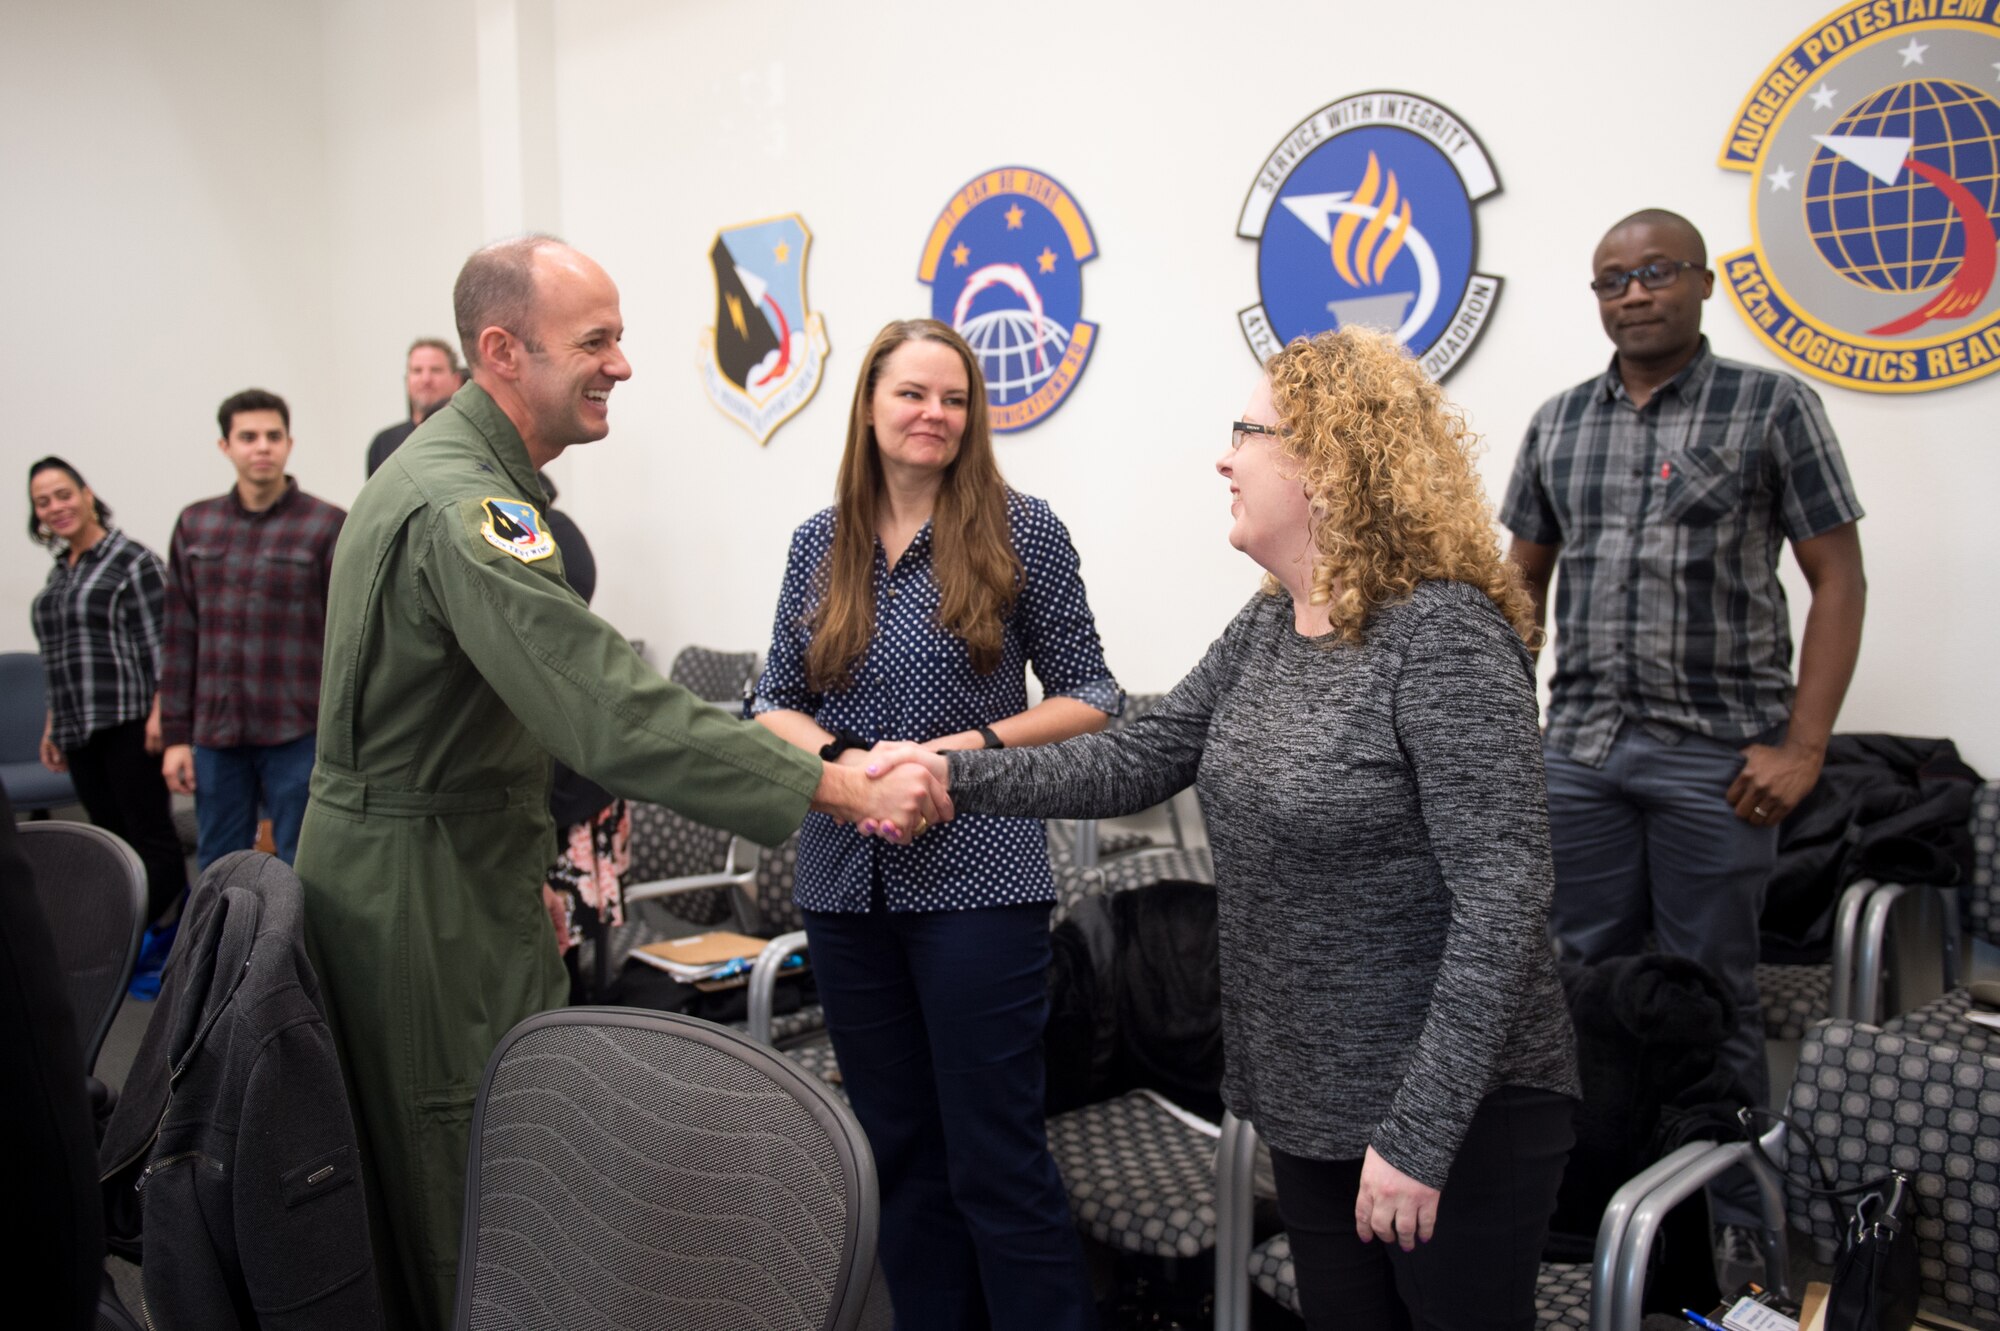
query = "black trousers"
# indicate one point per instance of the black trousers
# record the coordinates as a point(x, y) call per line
point(120, 787)
point(937, 1019)
point(1477, 1273)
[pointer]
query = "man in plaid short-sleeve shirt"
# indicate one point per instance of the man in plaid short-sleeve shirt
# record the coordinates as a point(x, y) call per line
point(1676, 743)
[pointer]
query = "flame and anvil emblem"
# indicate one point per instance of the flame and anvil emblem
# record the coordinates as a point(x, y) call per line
point(1362, 262)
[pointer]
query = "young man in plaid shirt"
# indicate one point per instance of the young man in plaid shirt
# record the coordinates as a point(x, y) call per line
point(1677, 741)
point(246, 619)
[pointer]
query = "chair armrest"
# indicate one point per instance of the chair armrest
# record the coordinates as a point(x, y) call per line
point(1235, 1204)
point(1611, 1230)
point(739, 871)
point(764, 974)
point(1627, 1283)
point(1870, 946)
point(1846, 937)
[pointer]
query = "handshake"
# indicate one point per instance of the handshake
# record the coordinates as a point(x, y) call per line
point(896, 790)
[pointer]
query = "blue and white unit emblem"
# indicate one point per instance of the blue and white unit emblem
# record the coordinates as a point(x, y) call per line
point(1363, 214)
point(1004, 264)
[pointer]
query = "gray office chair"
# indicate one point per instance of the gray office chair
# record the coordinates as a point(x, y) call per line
point(714, 676)
point(643, 1169)
point(30, 786)
point(93, 890)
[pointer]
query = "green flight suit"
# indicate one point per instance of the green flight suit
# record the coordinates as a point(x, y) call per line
point(454, 668)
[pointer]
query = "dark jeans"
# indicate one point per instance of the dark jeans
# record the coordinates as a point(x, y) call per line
point(1478, 1271)
point(229, 786)
point(120, 787)
point(937, 1017)
point(1647, 843)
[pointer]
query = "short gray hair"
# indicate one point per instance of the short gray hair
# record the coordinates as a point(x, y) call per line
point(496, 288)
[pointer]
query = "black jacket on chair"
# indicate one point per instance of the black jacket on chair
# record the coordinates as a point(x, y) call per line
point(230, 1166)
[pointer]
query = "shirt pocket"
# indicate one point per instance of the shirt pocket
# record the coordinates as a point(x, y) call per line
point(285, 575)
point(1704, 485)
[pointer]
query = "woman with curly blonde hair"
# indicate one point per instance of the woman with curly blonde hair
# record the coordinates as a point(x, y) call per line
point(1363, 737)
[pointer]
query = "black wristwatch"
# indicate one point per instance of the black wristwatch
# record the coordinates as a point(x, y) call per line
point(992, 740)
point(842, 741)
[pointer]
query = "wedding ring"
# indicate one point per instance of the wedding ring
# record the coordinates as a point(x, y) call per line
point(1759, 811)
point(922, 823)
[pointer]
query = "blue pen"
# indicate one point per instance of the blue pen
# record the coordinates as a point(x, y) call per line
point(1701, 1321)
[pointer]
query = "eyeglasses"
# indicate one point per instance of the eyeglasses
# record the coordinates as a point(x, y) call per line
point(1238, 429)
point(1652, 276)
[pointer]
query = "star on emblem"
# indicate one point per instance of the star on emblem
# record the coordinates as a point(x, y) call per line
point(1014, 217)
point(783, 252)
point(1780, 179)
point(959, 255)
point(1822, 98)
point(1046, 260)
point(1913, 54)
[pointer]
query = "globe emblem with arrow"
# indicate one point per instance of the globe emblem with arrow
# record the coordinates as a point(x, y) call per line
point(1873, 151)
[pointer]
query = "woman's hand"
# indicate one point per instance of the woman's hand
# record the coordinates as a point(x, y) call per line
point(52, 757)
point(1392, 1206)
point(964, 739)
point(890, 754)
point(155, 741)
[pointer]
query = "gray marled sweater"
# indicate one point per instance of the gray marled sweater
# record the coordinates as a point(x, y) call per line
point(1380, 830)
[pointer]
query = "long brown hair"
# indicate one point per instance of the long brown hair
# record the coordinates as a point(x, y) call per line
point(1387, 465)
point(973, 562)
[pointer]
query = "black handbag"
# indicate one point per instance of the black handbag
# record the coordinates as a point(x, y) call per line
point(1875, 1275)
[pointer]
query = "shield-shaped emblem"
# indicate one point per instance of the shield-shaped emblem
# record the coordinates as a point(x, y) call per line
point(766, 351)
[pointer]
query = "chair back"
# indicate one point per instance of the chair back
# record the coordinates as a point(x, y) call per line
point(25, 706)
point(667, 845)
point(31, 787)
point(777, 873)
point(1878, 1099)
point(1982, 897)
point(713, 676)
point(93, 890)
point(645, 1169)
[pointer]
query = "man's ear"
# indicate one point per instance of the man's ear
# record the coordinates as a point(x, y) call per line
point(499, 351)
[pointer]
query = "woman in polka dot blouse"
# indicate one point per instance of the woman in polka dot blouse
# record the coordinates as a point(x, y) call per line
point(910, 610)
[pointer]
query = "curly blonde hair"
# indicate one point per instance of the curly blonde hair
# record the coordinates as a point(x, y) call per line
point(1387, 465)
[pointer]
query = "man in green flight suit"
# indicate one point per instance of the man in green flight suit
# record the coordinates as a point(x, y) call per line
point(457, 661)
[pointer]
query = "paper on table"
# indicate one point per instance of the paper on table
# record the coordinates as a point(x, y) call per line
point(1750, 1315)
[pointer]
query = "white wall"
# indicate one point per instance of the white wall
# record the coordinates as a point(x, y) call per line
point(670, 121)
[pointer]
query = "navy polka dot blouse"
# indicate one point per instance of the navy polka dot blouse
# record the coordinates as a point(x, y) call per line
point(916, 683)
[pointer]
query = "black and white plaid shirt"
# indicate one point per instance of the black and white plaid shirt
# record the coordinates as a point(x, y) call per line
point(1671, 518)
point(99, 624)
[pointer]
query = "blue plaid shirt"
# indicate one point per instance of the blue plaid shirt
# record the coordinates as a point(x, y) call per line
point(1671, 518)
point(916, 682)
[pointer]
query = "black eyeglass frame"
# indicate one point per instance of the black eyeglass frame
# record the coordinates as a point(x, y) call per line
point(1654, 276)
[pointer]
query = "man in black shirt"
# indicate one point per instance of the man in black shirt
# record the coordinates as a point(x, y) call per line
point(431, 374)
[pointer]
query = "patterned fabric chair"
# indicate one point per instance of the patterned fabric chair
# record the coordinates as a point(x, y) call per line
point(1974, 909)
point(714, 676)
point(1794, 998)
point(680, 871)
point(1878, 1098)
point(1139, 1171)
point(1563, 1290)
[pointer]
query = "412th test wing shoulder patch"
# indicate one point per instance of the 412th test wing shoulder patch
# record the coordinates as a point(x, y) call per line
point(516, 528)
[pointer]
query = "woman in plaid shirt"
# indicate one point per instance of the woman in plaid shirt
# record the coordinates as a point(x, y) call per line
point(98, 621)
